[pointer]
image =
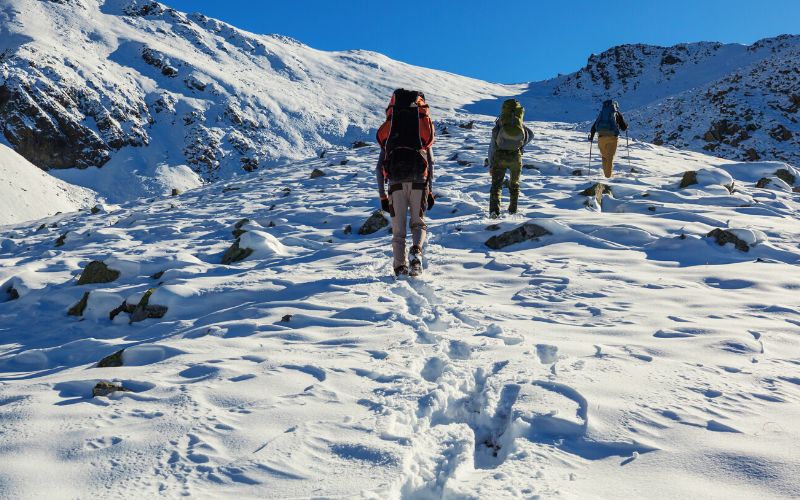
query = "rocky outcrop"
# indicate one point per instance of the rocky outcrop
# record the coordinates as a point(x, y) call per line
point(786, 176)
point(525, 232)
point(236, 253)
point(375, 223)
point(723, 237)
point(141, 311)
point(105, 388)
point(689, 178)
point(112, 360)
point(80, 307)
point(97, 272)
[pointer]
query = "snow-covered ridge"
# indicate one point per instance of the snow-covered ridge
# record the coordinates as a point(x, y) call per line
point(131, 84)
point(625, 348)
point(734, 101)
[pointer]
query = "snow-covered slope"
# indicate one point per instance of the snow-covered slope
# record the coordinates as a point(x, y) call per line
point(27, 192)
point(626, 354)
point(735, 101)
point(132, 84)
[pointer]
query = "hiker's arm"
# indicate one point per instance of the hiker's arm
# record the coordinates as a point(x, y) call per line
point(379, 175)
point(623, 125)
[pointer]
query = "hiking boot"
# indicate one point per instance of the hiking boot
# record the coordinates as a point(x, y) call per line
point(494, 215)
point(401, 270)
point(416, 252)
point(512, 207)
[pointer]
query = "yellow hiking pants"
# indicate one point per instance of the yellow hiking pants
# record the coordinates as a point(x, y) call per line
point(608, 148)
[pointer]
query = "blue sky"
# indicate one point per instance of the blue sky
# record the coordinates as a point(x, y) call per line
point(520, 41)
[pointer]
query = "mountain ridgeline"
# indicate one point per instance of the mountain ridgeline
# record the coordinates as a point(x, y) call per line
point(128, 84)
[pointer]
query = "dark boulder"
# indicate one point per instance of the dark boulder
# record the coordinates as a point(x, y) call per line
point(77, 309)
point(723, 237)
point(112, 360)
point(786, 176)
point(376, 222)
point(235, 253)
point(105, 388)
point(689, 178)
point(525, 232)
point(97, 272)
point(317, 173)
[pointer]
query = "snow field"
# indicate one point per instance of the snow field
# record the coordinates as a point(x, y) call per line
point(625, 349)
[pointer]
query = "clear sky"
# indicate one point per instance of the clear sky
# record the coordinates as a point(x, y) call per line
point(503, 41)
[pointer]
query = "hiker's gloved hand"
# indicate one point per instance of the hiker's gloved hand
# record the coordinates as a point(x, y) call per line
point(385, 204)
point(431, 200)
point(591, 137)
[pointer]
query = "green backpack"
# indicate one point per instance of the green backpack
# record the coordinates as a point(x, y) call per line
point(511, 136)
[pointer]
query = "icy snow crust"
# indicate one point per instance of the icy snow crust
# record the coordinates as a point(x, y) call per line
point(625, 355)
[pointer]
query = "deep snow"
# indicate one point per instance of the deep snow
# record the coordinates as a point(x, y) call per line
point(27, 192)
point(627, 355)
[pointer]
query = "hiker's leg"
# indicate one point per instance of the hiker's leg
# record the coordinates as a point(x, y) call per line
point(498, 171)
point(513, 183)
point(608, 148)
point(399, 200)
point(418, 227)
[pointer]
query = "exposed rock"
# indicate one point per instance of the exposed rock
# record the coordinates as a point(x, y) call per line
point(235, 253)
point(751, 155)
point(104, 388)
point(97, 272)
point(493, 227)
point(597, 191)
point(358, 144)
point(348, 229)
point(77, 309)
point(145, 310)
point(111, 361)
point(158, 275)
point(344, 162)
point(317, 173)
point(95, 209)
point(175, 192)
point(376, 222)
point(286, 318)
point(237, 228)
point(468, 126)
point(577, 171)
point(786, 176)
point(271, 224)
point(61, 239)
point(781, 133)
point(525, 232)
point(670, 59)
point(763, 182)
point(689, 179)
point(796, 189)
point(723, 236)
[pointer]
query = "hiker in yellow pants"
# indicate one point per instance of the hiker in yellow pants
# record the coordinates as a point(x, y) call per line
point(607, 125)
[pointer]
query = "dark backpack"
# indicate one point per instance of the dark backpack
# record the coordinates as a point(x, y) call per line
point(406, 136)
point(606, 123)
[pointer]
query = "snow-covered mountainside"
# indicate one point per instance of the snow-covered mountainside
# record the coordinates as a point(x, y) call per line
point(734, 101)
point(624, 353)
point(27, 192)
point(129, 85)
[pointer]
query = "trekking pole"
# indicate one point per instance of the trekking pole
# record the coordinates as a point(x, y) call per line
point(591, 143)
point(628, 144)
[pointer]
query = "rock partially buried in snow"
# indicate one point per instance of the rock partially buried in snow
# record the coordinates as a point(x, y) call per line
point(142, 310)
point(525, 232)
point(707, 177)
point(596, 191)
point(786, 176)
point(376, 222)
point(236, 253)
point(105, 388)
point(111, 361)
point(97, 272)
point(742, 239)
point(80, 307)
point(317, 173)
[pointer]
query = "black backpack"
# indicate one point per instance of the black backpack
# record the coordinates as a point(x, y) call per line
point(410, 135)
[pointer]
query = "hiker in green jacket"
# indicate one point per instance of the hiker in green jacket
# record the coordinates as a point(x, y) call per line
point(509, 136)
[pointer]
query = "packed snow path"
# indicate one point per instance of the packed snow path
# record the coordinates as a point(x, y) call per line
point(626, 354)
